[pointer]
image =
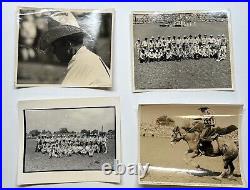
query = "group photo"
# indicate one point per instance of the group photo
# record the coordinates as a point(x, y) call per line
point(182, 50)
point(69, 139)
point(66, 144)
point(179, 48)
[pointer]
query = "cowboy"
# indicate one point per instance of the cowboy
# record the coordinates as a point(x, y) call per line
point(209, 124)
point(65, 39)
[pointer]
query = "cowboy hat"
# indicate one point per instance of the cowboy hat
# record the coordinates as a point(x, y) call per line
point(203, 108)
point(60, 24)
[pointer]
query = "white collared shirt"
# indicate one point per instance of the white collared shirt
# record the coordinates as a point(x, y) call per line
point(87, 69)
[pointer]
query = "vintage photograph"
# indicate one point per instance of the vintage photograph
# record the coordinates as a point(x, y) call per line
point(70, 48)
point(182, 50)
point(69, 139)
point(190, 145)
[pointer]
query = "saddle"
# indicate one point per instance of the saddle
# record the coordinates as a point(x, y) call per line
point(210, 145)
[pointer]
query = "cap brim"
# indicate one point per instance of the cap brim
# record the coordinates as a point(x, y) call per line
point(56, 33)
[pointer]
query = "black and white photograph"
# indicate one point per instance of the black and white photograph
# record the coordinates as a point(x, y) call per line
point(77, 139)
point(69, 48)
point(182, 50)
point(69, 139)
point(191, 144)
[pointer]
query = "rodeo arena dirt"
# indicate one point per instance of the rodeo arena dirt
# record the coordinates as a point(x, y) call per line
point(182, 50)
point(174, 162)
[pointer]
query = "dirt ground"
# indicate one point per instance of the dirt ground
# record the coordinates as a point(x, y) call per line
point(203, 73)
point(168, 164)
point(36, 161)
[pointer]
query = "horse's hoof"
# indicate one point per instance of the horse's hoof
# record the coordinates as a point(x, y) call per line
point(230, 176)
point(198, 166)
point(219, 177)
point(222, 175)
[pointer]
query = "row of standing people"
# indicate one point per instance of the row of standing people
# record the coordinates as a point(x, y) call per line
point(60, 146)
point(178, 48)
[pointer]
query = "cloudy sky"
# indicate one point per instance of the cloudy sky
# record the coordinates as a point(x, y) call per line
point(72, 119)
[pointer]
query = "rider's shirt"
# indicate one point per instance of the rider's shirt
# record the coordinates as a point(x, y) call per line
point(209, 121)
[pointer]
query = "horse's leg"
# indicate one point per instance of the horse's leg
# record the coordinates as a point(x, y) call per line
point(232, 168)
point(189, 160)
point(226, 169)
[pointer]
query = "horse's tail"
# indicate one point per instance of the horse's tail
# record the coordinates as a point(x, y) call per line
point(226, 130)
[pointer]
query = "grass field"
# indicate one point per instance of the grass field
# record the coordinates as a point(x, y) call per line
point(36, 161)
point(187, 74)
point(158, 152)
point(40, 73)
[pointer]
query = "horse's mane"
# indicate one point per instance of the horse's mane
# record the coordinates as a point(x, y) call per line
point(196, 126)
point(186, 128)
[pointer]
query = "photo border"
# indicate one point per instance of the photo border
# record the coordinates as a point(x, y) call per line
point(230, 42)
point(109, 10)
point(197, 184)
point(46, 177)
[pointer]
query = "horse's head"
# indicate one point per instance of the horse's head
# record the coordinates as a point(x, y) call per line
point(176, 135)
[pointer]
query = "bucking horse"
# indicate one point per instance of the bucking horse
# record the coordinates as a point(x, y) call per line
point(219, 146)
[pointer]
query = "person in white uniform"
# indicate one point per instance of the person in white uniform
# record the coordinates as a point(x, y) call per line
point(65, 38)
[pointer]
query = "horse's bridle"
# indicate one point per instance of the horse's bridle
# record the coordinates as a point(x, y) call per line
point(177, 132)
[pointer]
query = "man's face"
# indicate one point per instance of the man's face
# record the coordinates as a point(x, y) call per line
point(204, 112)
point(62, 50)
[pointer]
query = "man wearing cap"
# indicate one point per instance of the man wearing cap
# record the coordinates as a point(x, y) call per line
point(143, 56)
point(168, 42)
point(151, 44)
point(65, 38)
point(222, 54)
point(204, 40)
point(179, 41)
point(168, 55)
point(157, 44)
point(138, 46)
point(218, 41)
point(211, 40)
point(151, 56)
point(145, 44)
point(153, 39)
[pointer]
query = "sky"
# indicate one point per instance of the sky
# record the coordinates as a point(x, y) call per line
point(72, 119)
point(224, 115)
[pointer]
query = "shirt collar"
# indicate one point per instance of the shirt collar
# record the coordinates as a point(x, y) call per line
point(82, 49)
